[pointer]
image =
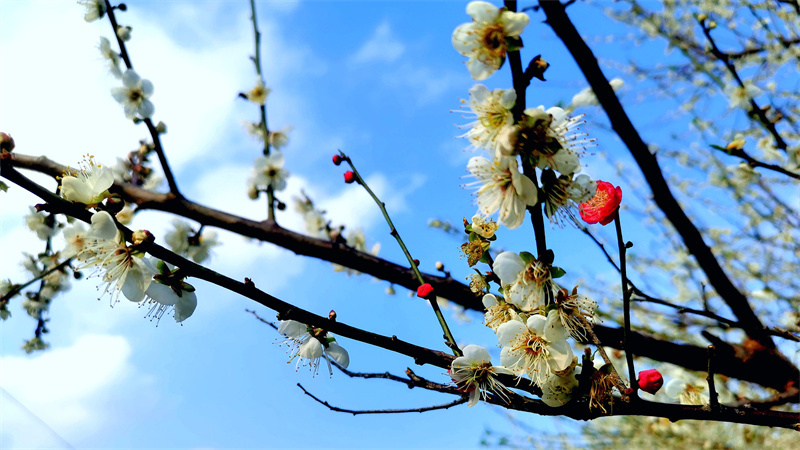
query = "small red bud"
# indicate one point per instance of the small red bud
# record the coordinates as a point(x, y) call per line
point(332, 315)
point(337, 159)
point(425, 290)
point(416, 262)
point(650, 381)
point(629, 391)
point(349, 177)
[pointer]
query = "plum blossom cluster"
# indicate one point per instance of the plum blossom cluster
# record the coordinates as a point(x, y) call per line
point(547, 139)
point(195, 245)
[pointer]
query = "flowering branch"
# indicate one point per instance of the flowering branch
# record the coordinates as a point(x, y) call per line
point(262, 107)
point(583, 55)
point(740, 153)
point(449, 339)
point(18, 288)
point(154, 134)
point(755, 109)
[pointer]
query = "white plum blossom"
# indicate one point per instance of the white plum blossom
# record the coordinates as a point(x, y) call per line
point(536, 348)
point(259, 93)
point(492, 111)
point(686, 393)
point(95, 9)
point(88, 185)
point(474, 373)
point(268, 171)
point(503, 188)
point(111, 57)
point(164, 298)
point(279, 139)
point(122, 271)
point(133, 95)
point(486, 39)
point(739, 97)
point(586, 97)
point(498, 312)
point(525, 283)
point(182, 239)
point(125, 215)
point(483, 227)
point(309, 345)
point(124, 33)
point(41, 224)
point(557, 389)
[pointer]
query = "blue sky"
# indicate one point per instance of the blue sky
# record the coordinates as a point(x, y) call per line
point(374, 79)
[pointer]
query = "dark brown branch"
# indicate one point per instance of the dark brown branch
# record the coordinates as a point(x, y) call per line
point(19, 287)
point(774, 372)
point(356, 412)
point(563, 27)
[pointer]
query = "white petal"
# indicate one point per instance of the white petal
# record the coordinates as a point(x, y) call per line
point(474, 396)
point(477, 353)
point(526, 190)
point(507, 266)
point(162, 294)
point(136, 282)
point(339, 354)
point(146, 109)
point(511, 361)
point(675, 387)
point(483, 11)
point(508, 332)
point(478, 70)
point(536, 324)
point(103, 226)
point(292, 328)
point(489, 300)
point(464, 39)
point(130, 79)
point(554, 329)
point(560, 355)
point(147, 88)
point(311, 349)
point(514, 23)
point(479, 94)
point(186, 305)
point(75, 190)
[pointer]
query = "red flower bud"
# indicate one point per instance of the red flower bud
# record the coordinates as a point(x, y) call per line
point(650, 381)
point(603, 206)
point(425, 290)
point(337, 159)
point(349, 177)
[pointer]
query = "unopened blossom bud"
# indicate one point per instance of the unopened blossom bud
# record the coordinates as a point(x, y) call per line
point(349, 177)
point(712, 25)
point(650, 381)
point(143, 237)
point(337, 159)
point(161, 128)
point(252, 192)
point(390, 290)
point(416, 262)
point(425, 290)
point(702, 17)
point(124, 33)
point(332, 315)
point(439, 265)
point(6, 142)
point(736, 144)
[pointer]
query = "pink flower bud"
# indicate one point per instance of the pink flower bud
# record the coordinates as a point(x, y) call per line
point(425, 290)
point(337, 159)
point(650, 381)
point(349, 177)
point(603, 206)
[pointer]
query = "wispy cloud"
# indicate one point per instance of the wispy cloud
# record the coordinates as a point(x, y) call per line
point(382, 46)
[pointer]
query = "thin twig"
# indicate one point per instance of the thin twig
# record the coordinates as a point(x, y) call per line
point(449, 339)
point(18, 288)
point(356, 412)
point(626, 306)
point(754, 162)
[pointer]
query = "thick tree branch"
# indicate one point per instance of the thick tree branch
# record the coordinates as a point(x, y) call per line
point(774, 372)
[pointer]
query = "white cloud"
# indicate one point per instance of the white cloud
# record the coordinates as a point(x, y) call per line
point(425, 83)
point(66, 388)
point(382, 46)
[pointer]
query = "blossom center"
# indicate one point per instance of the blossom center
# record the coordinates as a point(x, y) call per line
point(494, 40)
